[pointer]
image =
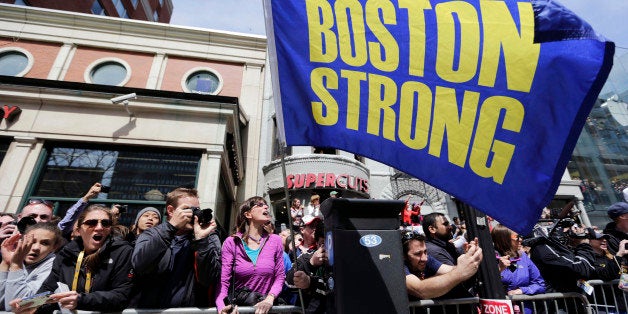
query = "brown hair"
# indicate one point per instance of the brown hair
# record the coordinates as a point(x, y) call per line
point(241, 221)
point(502, 241)
point(59, 241)
point(92, 260)
point(172, 198)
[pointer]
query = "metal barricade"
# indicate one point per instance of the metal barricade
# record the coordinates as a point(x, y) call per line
point(607, 298)
point(567, 302)
point(454, 306)
point(196, 310)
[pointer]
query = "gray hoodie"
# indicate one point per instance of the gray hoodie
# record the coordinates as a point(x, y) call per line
point(24, 282)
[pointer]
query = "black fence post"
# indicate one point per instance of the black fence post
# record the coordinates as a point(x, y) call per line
point(489, 280)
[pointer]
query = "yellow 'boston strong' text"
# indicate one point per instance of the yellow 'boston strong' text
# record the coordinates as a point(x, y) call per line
point(419, 115)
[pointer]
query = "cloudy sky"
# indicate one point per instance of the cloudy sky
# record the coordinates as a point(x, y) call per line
point(247, 16)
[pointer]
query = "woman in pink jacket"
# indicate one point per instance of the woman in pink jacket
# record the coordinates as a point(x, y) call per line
point(252, 258)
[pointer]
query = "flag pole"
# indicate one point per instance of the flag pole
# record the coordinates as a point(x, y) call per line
point(283, 149)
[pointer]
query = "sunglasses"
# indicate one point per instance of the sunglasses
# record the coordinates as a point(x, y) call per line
point(515, 237)
point(105, 223)
point(40, 201)
point(407, 236)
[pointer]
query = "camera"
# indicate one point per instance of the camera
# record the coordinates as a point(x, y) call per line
point(122, 208)
point(204, 215)
point(105, 189)
point(24, 223)
point(123, 98)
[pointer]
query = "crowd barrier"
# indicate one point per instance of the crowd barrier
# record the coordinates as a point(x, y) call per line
point(454, 306)
point(607, 298)
point(567, 302)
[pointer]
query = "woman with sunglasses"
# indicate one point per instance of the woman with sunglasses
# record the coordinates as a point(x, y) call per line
point(95, 267)
point(252, 258)
point(27, 261)
point(519, 274)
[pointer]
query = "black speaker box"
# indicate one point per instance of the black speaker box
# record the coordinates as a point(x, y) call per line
point(365, 252)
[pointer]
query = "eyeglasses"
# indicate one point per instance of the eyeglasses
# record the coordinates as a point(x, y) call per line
point(40, 201)
point(105, 223)
point(259, 204)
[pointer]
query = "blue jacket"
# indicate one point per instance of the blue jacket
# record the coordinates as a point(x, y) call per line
point(523, 275)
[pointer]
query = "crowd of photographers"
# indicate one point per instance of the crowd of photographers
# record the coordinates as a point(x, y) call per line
point(86, 260)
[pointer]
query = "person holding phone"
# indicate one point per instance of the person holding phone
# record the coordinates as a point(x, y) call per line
point(312, 274)
point(96, 268)
point(66, 224)
point(27, 261)
point(518, 273)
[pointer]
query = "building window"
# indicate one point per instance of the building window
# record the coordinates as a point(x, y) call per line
point(202, 81)
point(97, 8)
point(110, 71)
point(120, 8)
point(15, 61)
point(138, 176)
point(4, 147)
point(21, 2)
point(134, 3)
point(155, 16)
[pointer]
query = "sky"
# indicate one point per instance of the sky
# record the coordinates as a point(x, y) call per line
point(247, 16)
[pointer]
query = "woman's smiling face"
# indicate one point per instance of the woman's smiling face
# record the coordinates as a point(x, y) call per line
point(94, 230)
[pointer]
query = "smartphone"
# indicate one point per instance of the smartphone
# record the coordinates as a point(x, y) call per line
point(626, 246)
point(105, 189)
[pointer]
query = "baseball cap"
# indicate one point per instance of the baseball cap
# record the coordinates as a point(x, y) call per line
point(617, 210)
point(308, 219)
point(599, 235)
point(332, 193)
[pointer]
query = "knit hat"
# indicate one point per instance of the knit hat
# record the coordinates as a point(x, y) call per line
point(146, 209)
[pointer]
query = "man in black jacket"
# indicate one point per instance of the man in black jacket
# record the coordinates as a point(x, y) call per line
point(312, 273)
point(438, 232)
point(618, 228)
point(175, 263)
point(562, 265)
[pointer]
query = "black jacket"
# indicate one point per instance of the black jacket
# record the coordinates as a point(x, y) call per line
point(173, 271)
point(110, 285)
point(561, 266)
point(318, 298)
point(615, 236)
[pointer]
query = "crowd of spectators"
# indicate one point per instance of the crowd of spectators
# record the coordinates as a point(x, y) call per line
point(86, 260)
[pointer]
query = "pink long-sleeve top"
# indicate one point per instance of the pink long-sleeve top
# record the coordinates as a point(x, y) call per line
point(266, 276)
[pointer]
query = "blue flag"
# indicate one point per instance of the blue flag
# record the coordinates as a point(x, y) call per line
point(482, 99)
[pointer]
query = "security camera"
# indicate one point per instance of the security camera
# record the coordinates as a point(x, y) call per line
point(123, 98)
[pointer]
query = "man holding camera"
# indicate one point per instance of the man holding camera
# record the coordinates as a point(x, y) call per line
point(564, 257)
point(178, 261)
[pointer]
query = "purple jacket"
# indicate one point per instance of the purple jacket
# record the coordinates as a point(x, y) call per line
point(267, 276)
point(525, 277)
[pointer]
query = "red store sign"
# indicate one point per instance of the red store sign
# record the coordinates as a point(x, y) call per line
point(327, 180)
